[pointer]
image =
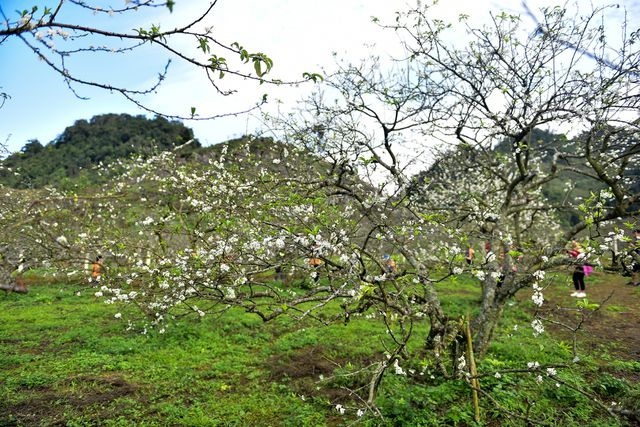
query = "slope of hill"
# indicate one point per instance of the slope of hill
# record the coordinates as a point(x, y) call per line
point(102, 139)
point(456, 163)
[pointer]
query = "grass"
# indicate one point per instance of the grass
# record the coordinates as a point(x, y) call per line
point(66, 360)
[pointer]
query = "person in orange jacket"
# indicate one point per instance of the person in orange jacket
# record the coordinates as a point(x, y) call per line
point(389, 265)
point(96, 269)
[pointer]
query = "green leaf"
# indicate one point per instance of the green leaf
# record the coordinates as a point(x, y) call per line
point(170, 4)
point(204, 45)
point(313, 76)
point(257, 67)
point(584, 303)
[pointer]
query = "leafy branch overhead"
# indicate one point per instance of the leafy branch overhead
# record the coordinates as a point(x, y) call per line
point(93, 31)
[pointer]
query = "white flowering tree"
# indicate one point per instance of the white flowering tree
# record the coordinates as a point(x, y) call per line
point(483, 103)
point(209, 234)
point(500, 88)
point(239, 228)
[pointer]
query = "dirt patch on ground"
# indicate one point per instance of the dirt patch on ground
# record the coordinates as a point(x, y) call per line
point(307, 362)
point(309, 371)
point(80, 393)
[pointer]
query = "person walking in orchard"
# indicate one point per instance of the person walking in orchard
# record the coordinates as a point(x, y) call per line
point(470, 255)
point(315, 263)
point(390, 267)
point(577, 277)
point(96, 270)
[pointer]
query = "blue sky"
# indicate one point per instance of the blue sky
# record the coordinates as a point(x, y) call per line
point(299, 35)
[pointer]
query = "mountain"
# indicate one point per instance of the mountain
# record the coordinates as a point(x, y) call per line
point(102, 139)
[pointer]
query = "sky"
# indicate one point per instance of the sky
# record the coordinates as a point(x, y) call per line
point(299, 35)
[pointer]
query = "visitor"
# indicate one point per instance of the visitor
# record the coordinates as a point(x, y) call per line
point(577, 277)
point(507, 265)
point(315, 263)
point(470, 254)
point(96, 270)
point(389, 265)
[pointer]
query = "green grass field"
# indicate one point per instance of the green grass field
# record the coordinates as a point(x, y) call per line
point(67, 361)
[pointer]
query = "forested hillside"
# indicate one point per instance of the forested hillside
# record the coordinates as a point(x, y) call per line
point(556, 151)
point(102, 139)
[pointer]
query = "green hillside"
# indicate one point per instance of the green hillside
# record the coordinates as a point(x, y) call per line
point(102, 139)
point(552, 153)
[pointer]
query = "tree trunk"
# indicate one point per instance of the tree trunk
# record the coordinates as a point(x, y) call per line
point(493, 301)
point(484, 325)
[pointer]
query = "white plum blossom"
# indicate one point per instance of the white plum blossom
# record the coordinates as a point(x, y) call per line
point(537, 297)
point(480, 275)
point(398, 369)
point(462, 362)
point(537, 326)
point(118, 315)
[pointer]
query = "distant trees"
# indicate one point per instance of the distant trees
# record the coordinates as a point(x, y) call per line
point(32, 147)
